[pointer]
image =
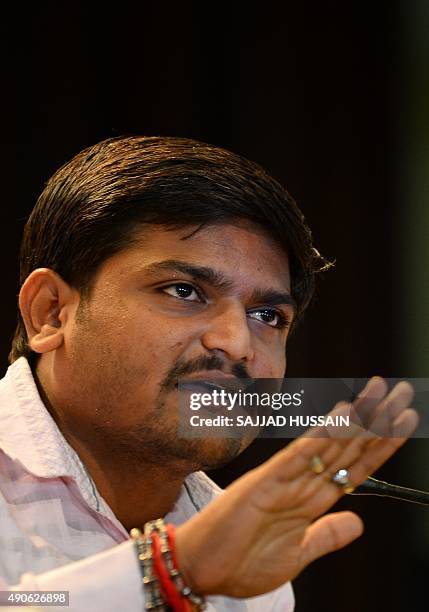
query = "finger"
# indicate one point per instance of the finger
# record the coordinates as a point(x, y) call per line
point(368, 399)
point(329, 533)
point(381, 449)
point(406, 423)
point(344, 451)
point(295, 460)
point(390, 408)
point(349, 454)
point(341, 409)
point(347, 442)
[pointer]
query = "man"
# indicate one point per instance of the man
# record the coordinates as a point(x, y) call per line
point(144, 261)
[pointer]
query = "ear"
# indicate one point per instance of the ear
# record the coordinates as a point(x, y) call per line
point(45, 302)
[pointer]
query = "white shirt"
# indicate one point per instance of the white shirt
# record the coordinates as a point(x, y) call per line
point(58, 533)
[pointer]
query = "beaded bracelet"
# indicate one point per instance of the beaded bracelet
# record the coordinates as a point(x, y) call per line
point(163, 583)
point(151, 585)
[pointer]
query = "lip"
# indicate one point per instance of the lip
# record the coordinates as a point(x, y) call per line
point(215, 379)
point(198, 386)
point(210, 375)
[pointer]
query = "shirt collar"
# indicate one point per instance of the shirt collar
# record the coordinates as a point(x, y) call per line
point(29, 434)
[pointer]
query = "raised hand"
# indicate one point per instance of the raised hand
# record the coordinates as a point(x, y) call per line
point(265, 528)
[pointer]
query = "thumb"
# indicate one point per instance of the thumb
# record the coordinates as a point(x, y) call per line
point(329, 533)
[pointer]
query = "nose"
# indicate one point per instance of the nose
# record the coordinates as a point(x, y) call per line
point(228, 331)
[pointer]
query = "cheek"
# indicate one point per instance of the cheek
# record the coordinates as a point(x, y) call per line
point(155, 345)
point(271, 363)
point(277, 370)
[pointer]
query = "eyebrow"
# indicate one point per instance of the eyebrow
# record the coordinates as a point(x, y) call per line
point(266, 296)
point(272, 297)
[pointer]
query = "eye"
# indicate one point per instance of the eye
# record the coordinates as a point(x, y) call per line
point(183, 291)
point(271, 317)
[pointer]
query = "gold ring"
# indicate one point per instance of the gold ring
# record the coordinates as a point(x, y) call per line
point(317, 465)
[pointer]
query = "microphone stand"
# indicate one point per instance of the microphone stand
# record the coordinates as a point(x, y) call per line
point(372, 486)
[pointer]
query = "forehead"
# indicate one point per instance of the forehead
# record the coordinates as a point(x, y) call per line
point(241, 251)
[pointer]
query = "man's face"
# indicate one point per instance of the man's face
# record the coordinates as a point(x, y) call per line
point(176, 304)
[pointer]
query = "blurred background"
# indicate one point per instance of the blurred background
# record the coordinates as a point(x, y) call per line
point(331, 98)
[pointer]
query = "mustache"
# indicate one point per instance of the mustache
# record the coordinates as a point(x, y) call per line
point(204, 363)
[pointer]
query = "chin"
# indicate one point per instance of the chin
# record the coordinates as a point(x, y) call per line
point(147, 444)
point(199, 454)
point(214, 453)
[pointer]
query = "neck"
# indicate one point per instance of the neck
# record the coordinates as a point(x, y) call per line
point(134, 495)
